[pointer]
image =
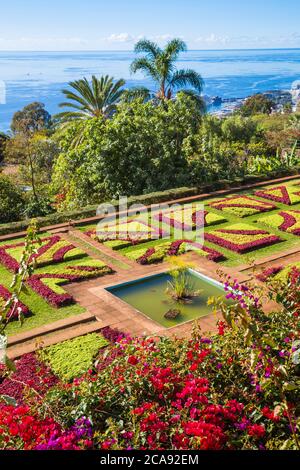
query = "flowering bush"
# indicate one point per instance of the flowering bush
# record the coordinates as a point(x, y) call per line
point(241, 238)
point(283, 194)
point(238, 389)
point(22, 429)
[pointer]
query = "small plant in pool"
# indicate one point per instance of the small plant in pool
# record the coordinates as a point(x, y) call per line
point(181, 286)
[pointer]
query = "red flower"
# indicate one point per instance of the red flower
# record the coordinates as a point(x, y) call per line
point(132, 360)
point(256, 430)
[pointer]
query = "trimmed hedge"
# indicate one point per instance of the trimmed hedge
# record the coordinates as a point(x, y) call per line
point(147, 199)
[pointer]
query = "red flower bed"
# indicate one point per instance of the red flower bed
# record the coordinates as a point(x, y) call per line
point(269, 272)
point(174, 248)
point(243, 247)
point(249, 204)
point(284, 197)
point(30, 373)
point(14, 311)
point(12, 264)
point(61, 300)
point(8, 261)
point(56, 300)
point(289, 222)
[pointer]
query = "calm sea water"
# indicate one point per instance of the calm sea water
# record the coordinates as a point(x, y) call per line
point(36, 76)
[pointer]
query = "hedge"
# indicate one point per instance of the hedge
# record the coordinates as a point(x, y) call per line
point(147, 199)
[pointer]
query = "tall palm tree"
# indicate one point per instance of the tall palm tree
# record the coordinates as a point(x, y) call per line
point(91, 99)
point(159, 65)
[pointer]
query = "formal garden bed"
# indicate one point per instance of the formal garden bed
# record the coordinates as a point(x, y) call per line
point(256, 227)
point(58, 263)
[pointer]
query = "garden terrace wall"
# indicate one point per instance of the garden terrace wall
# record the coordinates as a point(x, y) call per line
point(180, 195)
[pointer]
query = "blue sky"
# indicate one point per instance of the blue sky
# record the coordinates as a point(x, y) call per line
point(118, 24)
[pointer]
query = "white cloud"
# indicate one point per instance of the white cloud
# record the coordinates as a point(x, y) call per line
point(121, 37)
point(213, 39)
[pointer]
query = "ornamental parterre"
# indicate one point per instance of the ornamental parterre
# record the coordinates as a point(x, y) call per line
point(242, 206)
point(161, 251)
point(241, 238)
point(188, 218)
point(133, 230)
point(53, 291)
point(286, 221)
point(283, 194)
point(53, 250)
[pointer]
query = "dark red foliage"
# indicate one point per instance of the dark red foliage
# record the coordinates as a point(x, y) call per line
point(30, 372)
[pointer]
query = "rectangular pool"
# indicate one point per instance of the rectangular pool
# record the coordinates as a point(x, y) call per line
point(149, 296)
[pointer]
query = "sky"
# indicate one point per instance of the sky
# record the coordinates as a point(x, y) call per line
point(69, 25)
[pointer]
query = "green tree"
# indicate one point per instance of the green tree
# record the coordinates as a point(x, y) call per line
point(32, 118)
point(35, 155)
point(98, 98)
point(138, 151)
point(159, 65)
point(11, 201)
point(257, 104)
point(3, 139)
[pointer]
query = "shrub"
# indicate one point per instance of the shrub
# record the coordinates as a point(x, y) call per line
point(11, 201)
point(74, 357)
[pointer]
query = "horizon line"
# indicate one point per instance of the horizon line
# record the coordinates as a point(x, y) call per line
point(132, 50)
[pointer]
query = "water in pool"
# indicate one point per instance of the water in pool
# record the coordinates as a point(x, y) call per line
point(149, 296)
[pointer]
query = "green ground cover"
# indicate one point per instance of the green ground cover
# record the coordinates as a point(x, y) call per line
point(74, 357)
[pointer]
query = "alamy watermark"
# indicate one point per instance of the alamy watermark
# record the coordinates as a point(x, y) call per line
point(138, 222)
point(2, 92)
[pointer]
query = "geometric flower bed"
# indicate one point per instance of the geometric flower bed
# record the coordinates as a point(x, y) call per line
point(129, 230)
point(280, 273)
point(53, 250)
point(174, 248)
point(283, 194)
point(15, 310)
point(287, 221)
point(186, 218)
point(49, 285)
point(241, 238)
point(242, 206)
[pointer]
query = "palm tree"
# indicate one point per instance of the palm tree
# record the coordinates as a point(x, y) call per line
point(91, 99)
point(159, 65)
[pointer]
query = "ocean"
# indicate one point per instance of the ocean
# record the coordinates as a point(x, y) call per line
point(40, 76)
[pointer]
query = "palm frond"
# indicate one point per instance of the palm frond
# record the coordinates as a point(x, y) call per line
point(184, 78)
point(92, 99)
point(174, 47)
point(144, 65)
point(149, 48)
